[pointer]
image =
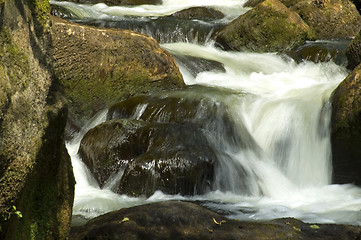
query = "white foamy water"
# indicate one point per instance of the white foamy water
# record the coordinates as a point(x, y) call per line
point(231, 8)
point(283, 106)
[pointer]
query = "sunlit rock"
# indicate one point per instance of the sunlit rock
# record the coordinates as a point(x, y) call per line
point(269, 26)
point(99, 67)
point(329, 19)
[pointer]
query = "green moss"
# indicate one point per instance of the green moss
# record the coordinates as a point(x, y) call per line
point(14, 62)
point(42, 12)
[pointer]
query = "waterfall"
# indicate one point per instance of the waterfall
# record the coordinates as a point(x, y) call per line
point(281, 112)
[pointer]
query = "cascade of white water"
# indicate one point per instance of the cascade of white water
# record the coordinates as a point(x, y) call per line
point(280, 108)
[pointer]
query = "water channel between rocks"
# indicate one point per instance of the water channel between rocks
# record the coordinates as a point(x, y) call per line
point(280, 109)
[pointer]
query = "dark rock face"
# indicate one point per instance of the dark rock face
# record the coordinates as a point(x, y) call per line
point(353, 52)
point(35, 169)
point(99, 67)
point(184, 220)
point(346, 130)
point(269, 26)
point(329, 19)
point(321, 51)
point(175, 142)
point(174, 158)
point(204, 13)
point(118, 2)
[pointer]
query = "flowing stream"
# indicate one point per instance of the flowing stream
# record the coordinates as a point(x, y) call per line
point(281, 109)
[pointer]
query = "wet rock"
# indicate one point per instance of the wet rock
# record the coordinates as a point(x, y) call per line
point(190, 105)
point(172, 157)
point(197, 65)
point(99, 67)
point(118, 2)
point(203, 13)
point(346, 129)
point(36, 175)
point(353, 52)
point(185, 220)
point(321, 51)
point(329, 19)
point(269, 26)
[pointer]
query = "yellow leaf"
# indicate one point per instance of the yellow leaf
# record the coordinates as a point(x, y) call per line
point(125, 219)
point(218, 223)
point(314, 227)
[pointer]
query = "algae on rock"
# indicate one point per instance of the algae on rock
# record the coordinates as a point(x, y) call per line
point(35, 170)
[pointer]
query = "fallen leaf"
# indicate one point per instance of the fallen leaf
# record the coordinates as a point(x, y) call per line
point(315, 227)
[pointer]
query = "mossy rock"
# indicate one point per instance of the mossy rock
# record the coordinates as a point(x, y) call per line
point(269, 26)
point(36, 175)
point(203, 13)
point(353, 52)
point(329, 19)
point(171, 157)
point(346, 129)
point(118, 2)
point(357, 4)
point(99, 67)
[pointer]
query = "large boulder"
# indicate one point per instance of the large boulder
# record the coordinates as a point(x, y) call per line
point(269, 26)
point(99, 67)
point(36, 178)
point(118, 2)
point(346, 129)
point(329, 19)
point(185, 220)
point(353, 52)
point(171, 157)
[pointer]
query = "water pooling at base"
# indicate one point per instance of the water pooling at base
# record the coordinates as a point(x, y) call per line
point(282, 108)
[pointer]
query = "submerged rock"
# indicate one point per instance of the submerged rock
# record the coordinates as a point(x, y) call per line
point(36, 178)
point(171, 157)
point(118, 2)
point(321, 51)
point(329, 19)
point(346, 129)
point(185, 220)
point(269, 26)
point(203, 13)
point(99, 67)
point(353, 52)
